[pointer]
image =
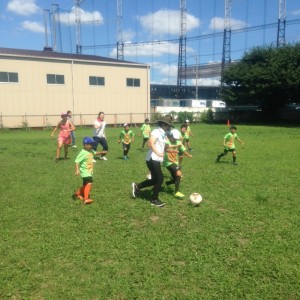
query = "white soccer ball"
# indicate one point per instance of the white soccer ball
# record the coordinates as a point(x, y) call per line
point(195, 198)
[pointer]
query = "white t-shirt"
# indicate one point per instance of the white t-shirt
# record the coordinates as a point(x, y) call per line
point(159, 143)
point(100, 130)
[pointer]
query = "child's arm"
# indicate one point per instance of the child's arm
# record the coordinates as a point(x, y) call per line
point(101, 152)
point(239, 140)
point(77, 169)
point(224, 143)
point(185, 153)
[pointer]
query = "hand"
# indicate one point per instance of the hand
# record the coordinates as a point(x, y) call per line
point(77, 172)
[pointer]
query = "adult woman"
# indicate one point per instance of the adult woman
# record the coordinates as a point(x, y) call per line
point(99, 134)
point(154, 158)
point(64, 136)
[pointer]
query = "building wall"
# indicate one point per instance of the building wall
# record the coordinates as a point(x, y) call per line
point(32, 96)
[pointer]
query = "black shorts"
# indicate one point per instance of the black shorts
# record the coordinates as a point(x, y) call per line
point(87, 180)
point(229, 150)
point(126, 146)
point(173, 169)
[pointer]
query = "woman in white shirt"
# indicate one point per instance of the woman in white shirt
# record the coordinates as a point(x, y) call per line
point(154, 158)
point(99, 134)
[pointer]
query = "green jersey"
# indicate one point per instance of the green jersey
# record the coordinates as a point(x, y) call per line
point(126, 136)
point(146, 129)
point(85, 161)
point(172, 157)
point(229, 140)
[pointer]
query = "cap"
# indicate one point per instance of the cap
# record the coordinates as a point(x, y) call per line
point(63, 114)
point(175, 134)
point(187, 121)
point(165, 121)
point(126, 124)
point(88, 140)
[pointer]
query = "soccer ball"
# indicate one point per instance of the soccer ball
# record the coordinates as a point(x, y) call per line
point(195, 198)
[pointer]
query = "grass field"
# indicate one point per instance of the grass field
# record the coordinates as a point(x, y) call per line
point(242, 242)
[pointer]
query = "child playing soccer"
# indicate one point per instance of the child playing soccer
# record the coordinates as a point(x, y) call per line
point(188, 134)
point(126, 136)
point(171, 160)
point(145, 131)
point(84, 167)
point(228, 143)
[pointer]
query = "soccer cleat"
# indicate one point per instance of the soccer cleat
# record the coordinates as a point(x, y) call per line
point(125, 157)
point(135, 190)
point(179, 195)
point(157, 203)
point(87, 201)
point(77, 197)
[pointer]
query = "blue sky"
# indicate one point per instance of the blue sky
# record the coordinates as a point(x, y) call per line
point(23, 26)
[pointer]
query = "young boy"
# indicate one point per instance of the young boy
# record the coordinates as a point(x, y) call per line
point(188, 134)
point(126, 136)
point(171, 160)
point(84, 167)
point(145, 131)
point(228, 143)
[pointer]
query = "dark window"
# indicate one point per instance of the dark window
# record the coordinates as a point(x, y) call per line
point(96, 80)
point(133, 82)
point(9, 77)
point(55, 79)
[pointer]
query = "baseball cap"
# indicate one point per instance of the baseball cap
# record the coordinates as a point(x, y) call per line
point(187, 121)
point(88, 140)
point(175, 134)
point(126, 124)
point(63, 114)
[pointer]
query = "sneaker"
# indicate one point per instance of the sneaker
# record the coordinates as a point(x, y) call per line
point(125, 157)
point(235, 163)
point(149, 176)
point(87, 201)
point(157, 203)
point(77, 197)
point(179, 195)
point(135, 190)
point(94, 161)
point(74, 146)
point(103, 158)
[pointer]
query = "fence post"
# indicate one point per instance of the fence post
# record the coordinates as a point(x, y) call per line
point(115, 120)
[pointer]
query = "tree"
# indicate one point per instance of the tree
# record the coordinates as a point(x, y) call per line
point(268, 77)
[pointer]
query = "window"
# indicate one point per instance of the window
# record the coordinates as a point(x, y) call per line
point(55, 79)
point(97, 80)
point(133, 82)
point(9, 77)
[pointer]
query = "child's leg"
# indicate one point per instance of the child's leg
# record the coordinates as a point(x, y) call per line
point(177, 180)
point(172, 170)
point(125, 150)
point(59, 146)
point(221, 155)
point(234, 157)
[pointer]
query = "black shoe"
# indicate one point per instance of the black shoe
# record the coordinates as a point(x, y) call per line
point(235, 163)
point(135, 190)
point(157, 203)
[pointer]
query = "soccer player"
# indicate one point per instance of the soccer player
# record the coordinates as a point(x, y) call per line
point(145, 131)
point(171, 160)
point(126, 137)
point(154, 158)
point(64, 137)
point(229, 145)
point(99, 135)
point(188, 134)
point(84, 167)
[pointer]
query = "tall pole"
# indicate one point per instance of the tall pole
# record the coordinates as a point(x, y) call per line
point(120, 44)
point(78, 26)
point(281, 23)
point(181, 72)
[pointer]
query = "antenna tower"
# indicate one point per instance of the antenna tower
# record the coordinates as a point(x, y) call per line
point(120, 44)
point(181, 73)
point(226, 58)
point(78, 26)
point(281, 23)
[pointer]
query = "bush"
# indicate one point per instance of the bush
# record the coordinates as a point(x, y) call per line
point(207, 116)
point(184, 115)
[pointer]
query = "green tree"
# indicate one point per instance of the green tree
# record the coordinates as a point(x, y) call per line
point(269, 77)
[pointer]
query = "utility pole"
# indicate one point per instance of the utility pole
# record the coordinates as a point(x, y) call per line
point(120, 44)
point(281, 23)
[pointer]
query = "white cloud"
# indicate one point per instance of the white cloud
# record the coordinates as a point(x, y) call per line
point(22, 7)
point(167, 22)
point(69, 18)
point(33, 26)
point(218, 24)
point(296, 12)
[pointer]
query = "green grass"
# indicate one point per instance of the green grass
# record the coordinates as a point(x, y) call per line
point(242, 242)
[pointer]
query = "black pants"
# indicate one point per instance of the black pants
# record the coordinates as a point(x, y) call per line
point(102, 141)
point(156, 180)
